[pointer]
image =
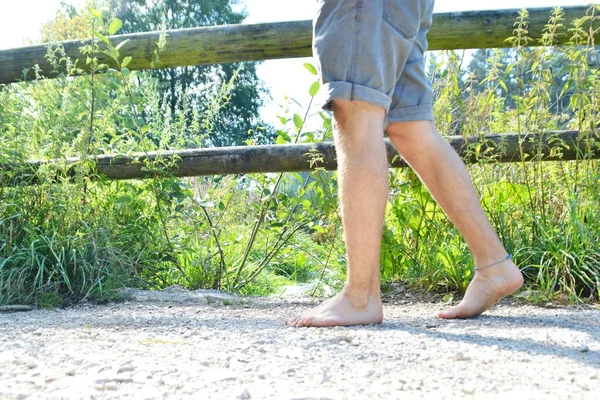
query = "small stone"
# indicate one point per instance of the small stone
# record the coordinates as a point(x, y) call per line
point(109, 386)
point(125, 368)
point(461, 357)
point(325, 377)
point(467, 390)
point(584, 348)
point(71, 372)
point(584, 386)
point(245, 395)
point(432, 325)
point(188, 334)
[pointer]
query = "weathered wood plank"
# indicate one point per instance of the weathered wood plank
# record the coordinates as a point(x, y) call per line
point(232, 43)
point(287, 158)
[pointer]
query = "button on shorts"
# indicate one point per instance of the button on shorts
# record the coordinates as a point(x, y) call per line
point(373, 51)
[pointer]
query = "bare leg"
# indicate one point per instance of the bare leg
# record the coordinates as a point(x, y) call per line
point(363, 189)
point(446, 177)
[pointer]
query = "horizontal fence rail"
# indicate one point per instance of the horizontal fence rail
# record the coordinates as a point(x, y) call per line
point(552, 146)
point(235, 43)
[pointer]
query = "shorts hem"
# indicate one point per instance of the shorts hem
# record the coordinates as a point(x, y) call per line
point(423, 112)
point(340, 90)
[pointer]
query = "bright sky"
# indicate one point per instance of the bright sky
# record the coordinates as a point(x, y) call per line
point(21, 20)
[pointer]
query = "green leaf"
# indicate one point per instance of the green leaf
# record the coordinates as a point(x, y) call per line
point(301, 259)
point(284, 135)
point(311, 68)
point(306, 204)
point(95, 13)
point(281, 140)
point(125, 61)
point(112, 53)
point(115, 25)
point(314, 89)
point(125, 71)
point(298, 121)
point(123, 199)
point(101, 37)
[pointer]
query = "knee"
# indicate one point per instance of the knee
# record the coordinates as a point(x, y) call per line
point(410, 134)
point(358, 128)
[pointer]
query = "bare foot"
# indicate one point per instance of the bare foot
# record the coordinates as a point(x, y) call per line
point(340, 310)
point(487, 287)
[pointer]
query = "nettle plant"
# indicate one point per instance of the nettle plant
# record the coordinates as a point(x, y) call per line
point(546, 213)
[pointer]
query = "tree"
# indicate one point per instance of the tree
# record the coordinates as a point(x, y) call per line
point(192, 90)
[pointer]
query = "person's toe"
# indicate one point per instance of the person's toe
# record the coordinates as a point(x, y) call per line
point(305, 322)
point(450, 313)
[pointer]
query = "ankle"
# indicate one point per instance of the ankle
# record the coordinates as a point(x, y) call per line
point(360, 297)
point(490, 257)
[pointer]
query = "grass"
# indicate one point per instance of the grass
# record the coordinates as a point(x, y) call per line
point(85, 238)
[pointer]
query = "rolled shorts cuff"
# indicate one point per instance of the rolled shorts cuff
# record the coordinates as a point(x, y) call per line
point(339, 90)
point(422, 112)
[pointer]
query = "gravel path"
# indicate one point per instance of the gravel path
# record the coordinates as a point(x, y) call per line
point(213, 348)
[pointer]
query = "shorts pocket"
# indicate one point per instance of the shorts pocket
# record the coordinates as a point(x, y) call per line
point(404, 16)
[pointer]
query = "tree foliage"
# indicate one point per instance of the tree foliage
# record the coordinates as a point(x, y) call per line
point(193, 88)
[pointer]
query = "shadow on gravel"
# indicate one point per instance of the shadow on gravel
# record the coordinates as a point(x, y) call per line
point(525, 345)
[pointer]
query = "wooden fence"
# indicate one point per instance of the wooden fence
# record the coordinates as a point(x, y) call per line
point(305, 157)
point(231, 43)
point(223, 44)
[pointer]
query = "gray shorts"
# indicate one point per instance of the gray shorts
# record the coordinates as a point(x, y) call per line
point(373, 51)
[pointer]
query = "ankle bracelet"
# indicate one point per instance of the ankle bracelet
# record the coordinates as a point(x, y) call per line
point(508, 257)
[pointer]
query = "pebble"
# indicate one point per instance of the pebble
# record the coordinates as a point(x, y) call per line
point(467, 390)
point(110, 386)
point(325, 377)
point(461, 357)
point(584, 348)
point(125, 368)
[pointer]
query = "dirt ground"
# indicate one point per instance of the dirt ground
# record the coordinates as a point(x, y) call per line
point(204, 345)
